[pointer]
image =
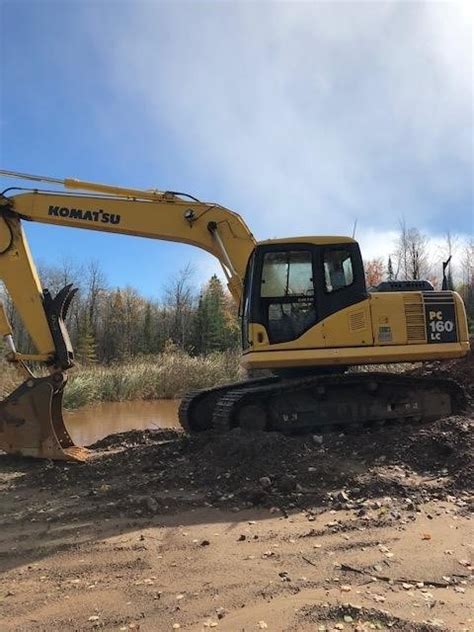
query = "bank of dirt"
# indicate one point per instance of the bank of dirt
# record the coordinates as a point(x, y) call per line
point(245, 532)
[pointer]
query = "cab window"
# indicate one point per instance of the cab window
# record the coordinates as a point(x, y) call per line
point(338, 270)
point(287, 273)
point(287, 294)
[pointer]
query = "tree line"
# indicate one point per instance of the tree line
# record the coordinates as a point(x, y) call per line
point(115, 324)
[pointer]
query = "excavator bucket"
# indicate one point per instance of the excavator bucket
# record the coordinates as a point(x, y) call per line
point(31, 422)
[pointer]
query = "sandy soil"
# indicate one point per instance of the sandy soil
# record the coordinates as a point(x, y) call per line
point(160, 531)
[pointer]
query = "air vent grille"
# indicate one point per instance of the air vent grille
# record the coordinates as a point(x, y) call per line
point(357, 321)
point(415, 319)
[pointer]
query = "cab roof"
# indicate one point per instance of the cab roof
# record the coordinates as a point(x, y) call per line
point(318, 240)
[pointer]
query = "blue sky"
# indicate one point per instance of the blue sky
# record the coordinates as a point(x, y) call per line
point(303, 117)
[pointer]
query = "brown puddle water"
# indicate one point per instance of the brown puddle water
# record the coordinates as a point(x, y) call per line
point(91, 423)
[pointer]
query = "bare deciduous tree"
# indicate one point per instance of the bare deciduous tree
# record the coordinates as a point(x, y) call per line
point(95, 284)
point(180, 297)
point(411, 254)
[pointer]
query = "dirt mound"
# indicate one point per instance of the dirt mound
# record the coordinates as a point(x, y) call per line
point(378, 475)
point(301, 470)
point(462, 371)
point(134, 438)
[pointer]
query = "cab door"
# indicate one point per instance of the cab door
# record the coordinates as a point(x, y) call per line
point(343, 299)
point(341, 281)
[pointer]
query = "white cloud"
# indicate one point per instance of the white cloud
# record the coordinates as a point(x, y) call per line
point(308, 116)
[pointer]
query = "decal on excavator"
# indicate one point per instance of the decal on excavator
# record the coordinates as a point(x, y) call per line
point(440, 317)
point(91, 216)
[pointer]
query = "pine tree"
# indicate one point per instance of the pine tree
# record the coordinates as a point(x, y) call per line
point(215, 313)
point(390, 275)
point(86, 351)
point(198, 327)
point(214, 329)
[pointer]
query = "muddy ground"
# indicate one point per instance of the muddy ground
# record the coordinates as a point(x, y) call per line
point(160, 531)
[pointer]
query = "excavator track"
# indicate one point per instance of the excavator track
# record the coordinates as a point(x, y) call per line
point(197, 407)
point(327, 403)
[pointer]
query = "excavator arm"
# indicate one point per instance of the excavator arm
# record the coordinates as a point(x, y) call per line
point(30, 418)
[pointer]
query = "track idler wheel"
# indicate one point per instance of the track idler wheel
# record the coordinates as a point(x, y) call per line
point(195, 411)
point(31, 421)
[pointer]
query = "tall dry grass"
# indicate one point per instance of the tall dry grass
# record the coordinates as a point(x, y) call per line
point(9, 378)
point(165, 376)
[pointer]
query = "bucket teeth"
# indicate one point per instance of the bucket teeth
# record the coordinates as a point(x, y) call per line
point(67, 301)
point(31, 422)
point(60, 303)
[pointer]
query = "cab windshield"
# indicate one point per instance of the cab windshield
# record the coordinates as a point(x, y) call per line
point(287, 274)
point(287, 291)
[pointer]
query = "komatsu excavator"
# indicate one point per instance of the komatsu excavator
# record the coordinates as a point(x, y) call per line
point(305, 310)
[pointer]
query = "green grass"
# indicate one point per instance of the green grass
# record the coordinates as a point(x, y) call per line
point(165, 376)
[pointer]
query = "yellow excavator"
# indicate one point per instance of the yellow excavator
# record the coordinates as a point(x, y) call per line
point(305, 310)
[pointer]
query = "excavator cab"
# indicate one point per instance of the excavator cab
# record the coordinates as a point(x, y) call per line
point(291, 286)
point(306, 306)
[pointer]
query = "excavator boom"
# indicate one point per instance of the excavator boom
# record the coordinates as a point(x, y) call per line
point(31, 421)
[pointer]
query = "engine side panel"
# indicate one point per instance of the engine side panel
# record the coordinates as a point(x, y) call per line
point(386, 327)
